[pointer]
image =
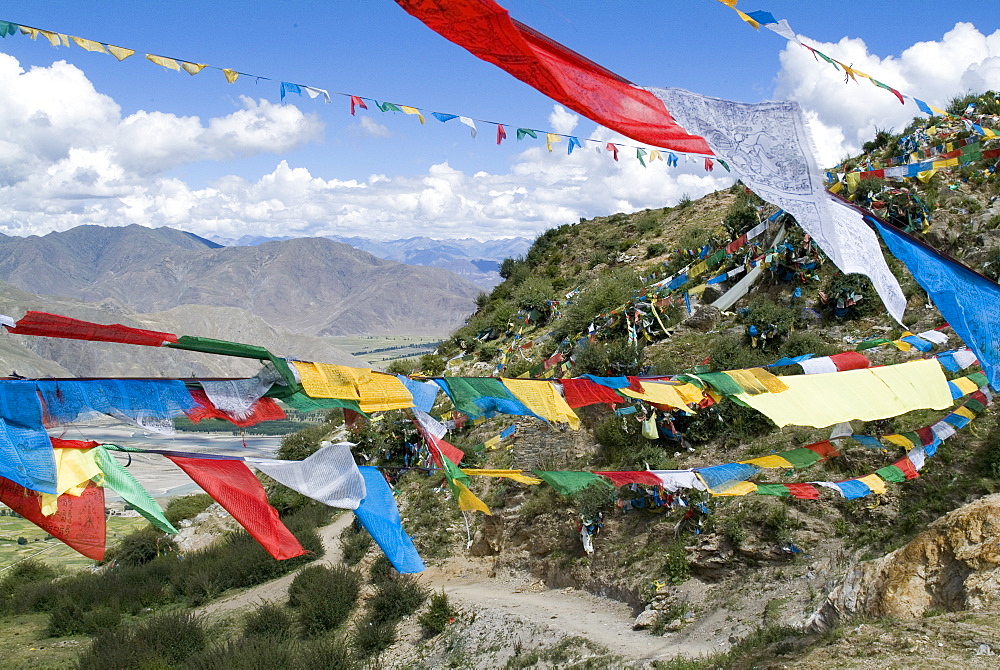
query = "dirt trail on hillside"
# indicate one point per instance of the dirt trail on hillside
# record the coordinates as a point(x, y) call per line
point(277, 590)
point(564, 612)
point(569, 612)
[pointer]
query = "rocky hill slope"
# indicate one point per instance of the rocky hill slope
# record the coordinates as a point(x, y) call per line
point(42, 356)
point(313, 286)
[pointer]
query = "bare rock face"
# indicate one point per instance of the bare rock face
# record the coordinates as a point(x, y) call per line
point(704, 318)
point(953, 565)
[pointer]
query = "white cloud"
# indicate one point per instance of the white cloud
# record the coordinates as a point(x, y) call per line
point(372, 128)
point(843, 116)
point(562, 121)
point(67, 157)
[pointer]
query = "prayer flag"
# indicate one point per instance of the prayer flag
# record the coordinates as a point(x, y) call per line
point(328, 475)
point(232, 485)
point(379, 515)
point(79, 522)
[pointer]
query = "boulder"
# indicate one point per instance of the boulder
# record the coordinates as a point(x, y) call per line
point(953, 565)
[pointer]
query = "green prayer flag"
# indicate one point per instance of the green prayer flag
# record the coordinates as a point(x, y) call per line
point(131, 491)
point(209, 345)
point(387, 107)
point(303, 403)
point(567, 482)
point(717, 257)
point(891, 473)
point(801, 458)
point(639, 153)
point(979, 379)
point(868, 344)
point(773, 490)
point(722, 383)
point(723, 164)
point(7, 28)
point(974, 406)
point(521, 132)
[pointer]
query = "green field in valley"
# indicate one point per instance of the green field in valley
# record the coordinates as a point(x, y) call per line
point(47, 548)
point(378, 349)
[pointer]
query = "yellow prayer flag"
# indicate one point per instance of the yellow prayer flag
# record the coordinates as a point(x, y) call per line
point(965, 411)
point(899, 441)
point(698, 268)
point(738, 489)
point(852, 179)
point(516, 475)
point(950, 162)
point(324, 380)
point(74, 468)
point(874, 482)
point(824, 399)
point(654, 155)
point(467, 500)
point(756, 26)
point(121, 53)
point(550, 139)
point(965, 385)
point(757, 380)
point(168, 63)
point(658, 394)
point(31, 32)
point(412, 110)
point(193, 68)
point(542, 398)
point(837, 187)
point(926, 175)
point(231, 75)
point(55, 39)
point(382, 392)
point(89, 45)
point(698, 290)
point(771, 461)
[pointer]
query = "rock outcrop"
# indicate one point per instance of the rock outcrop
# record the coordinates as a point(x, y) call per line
point(953, 565)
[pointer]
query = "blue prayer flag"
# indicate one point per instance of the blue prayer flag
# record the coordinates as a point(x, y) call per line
point(443, 117)
point(380, 517)
point(969, 302)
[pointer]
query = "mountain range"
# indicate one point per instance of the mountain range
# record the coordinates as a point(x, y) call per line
point(312, 286)
point(476, 261)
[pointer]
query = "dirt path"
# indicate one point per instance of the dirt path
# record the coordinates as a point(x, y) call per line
point(277, 590)
point(564, 612)
point(570, 612)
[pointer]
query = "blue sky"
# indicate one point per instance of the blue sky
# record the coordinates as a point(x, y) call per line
point(134, 152)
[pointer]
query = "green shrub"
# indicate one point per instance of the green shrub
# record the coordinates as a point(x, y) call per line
point(438, 615)
point(381, 569)
point(247, 654)
point(611, 358)
point(161, 641)
point(394, 599)
point(22, 580)
point(324, 597)
point(141, 546)
point(371, 637)
point(67, 618)
point(355, 543)
point(268, 620)
point(187, 507)
point(331, 652)
point(607, 292)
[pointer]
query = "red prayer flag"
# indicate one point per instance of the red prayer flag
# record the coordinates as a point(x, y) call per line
point(906, 465)
point(485, 29)
point(356, 101)
point(265, 409)
point(232, 485)
point(622, 478)
point(501, 133)
point(803, 491)
point(850, 360)
point(583, 392)
point(735, 245)
point(439, 447)
point(72, 444)
point(824, 449)
point(79, 522)
point(44, 324)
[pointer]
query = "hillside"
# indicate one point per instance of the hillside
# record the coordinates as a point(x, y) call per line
point(471, 259)
point(313, 286)
point(748, 574)
point(42, 356)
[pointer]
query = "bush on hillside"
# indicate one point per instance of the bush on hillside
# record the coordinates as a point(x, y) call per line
point(161, 641)
point(355, 542)
point(609, 358)
point(268, 620)
point(323, 597)
point(24, 582)
point(394, 599)
point(140, 547)
point(606, 293)
point(438, 615)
